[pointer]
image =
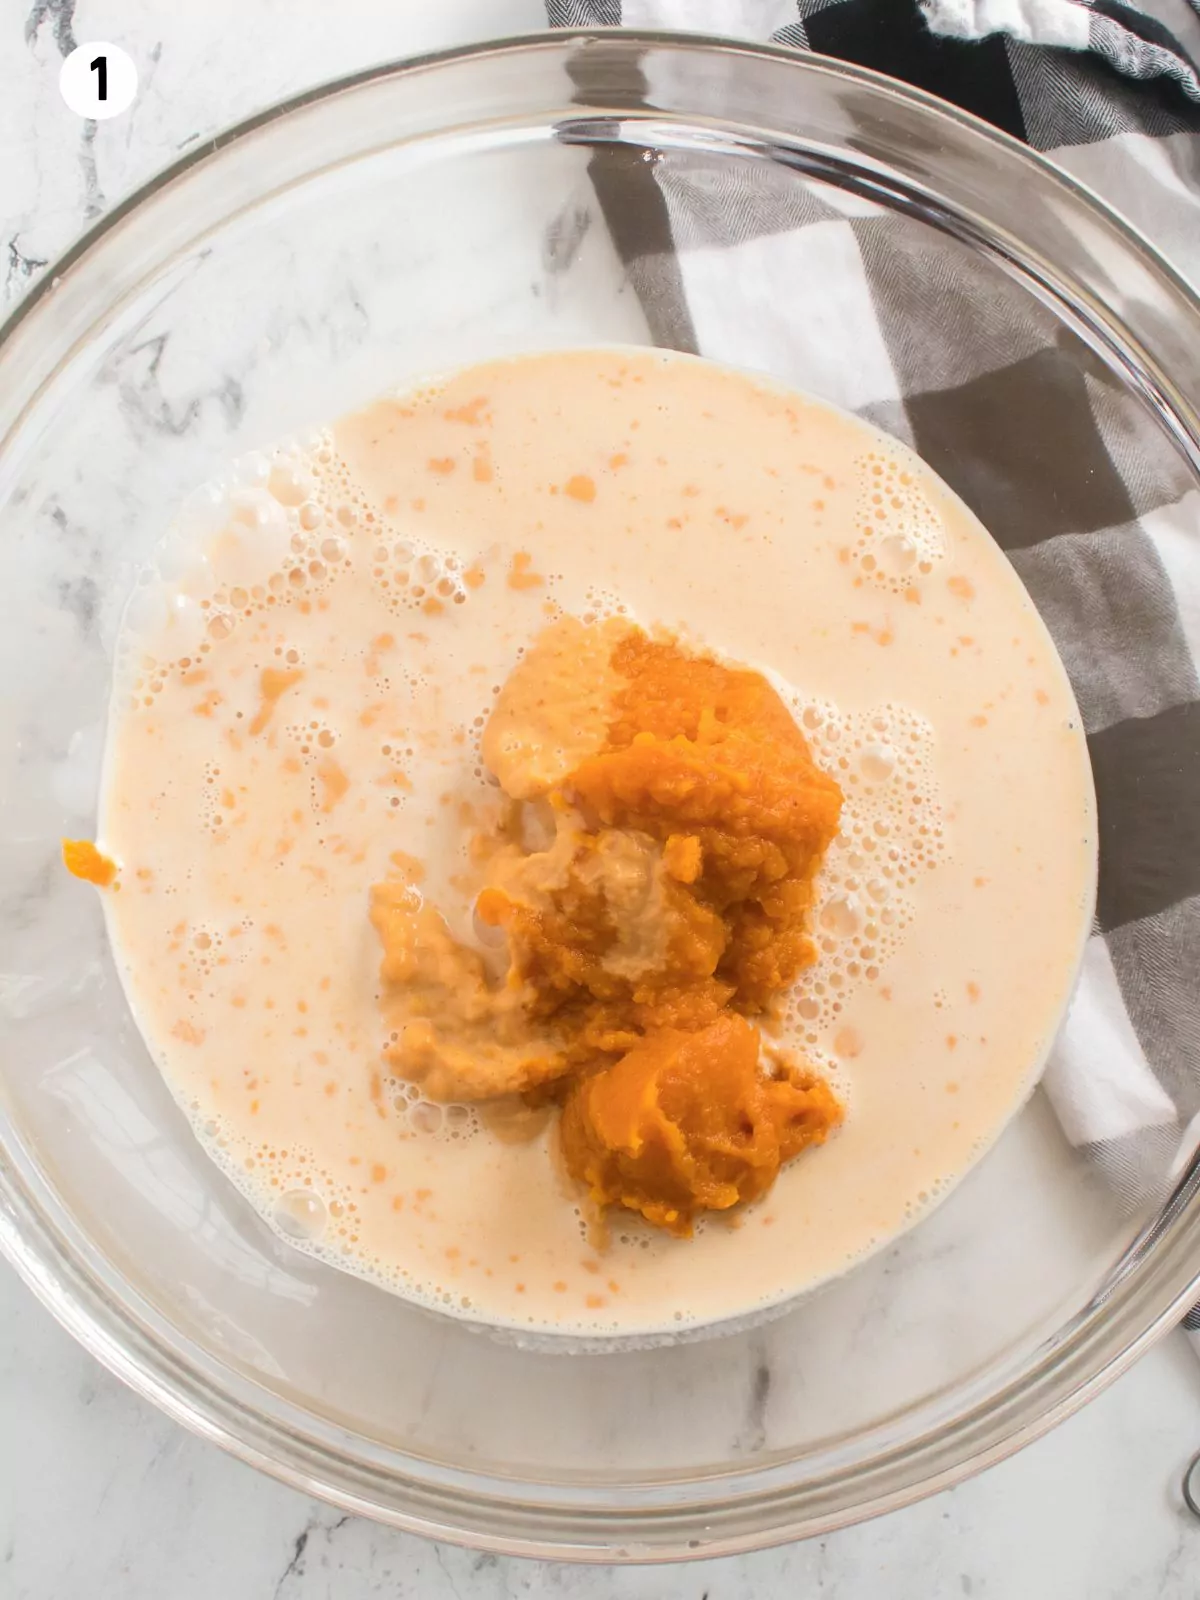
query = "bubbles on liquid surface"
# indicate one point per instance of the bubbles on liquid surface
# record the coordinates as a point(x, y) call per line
point(892, 831)
point(425, 1117)
point(300, 1214)
point(841, 915)
point(877, 762)
point(899, 532)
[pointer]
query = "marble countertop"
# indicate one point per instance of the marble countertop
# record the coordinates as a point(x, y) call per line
point(100, 1495)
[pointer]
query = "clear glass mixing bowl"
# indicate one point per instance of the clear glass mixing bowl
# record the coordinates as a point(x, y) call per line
point(407, 220)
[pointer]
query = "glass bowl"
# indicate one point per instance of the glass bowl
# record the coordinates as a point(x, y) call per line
point(562, 190)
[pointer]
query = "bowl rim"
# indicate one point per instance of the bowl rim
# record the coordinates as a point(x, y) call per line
point(655, 1522)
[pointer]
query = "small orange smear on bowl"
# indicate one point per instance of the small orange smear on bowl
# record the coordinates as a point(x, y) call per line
point(83, 860)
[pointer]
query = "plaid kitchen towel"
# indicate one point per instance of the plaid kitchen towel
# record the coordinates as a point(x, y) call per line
point(1112, 561)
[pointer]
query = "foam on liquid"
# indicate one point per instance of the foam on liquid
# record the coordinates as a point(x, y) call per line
point(390, 571)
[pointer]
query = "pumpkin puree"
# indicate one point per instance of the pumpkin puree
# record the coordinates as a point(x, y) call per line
point(82, 860)
point(651, 875)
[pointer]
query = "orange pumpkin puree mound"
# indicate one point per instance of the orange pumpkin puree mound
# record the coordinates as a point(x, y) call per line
point(665, 901)
point(688, 1122)
point(709, 758)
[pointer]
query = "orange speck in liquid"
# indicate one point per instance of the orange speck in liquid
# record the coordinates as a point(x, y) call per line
point(83, 860)
point(380, 644)
point(473, 577)
point(378, 1172)
point(187, 1032)
point(580, 487)
point(442, 466)
point(334, 782)
point(962, 587)
point(481, 466)
point(979, 721)
point(521, 574)
point(207, 707)
point(616, 462)
point(848, 1042)
point(973, 991)
point(273, 683)
point(1042, 698)
point(472, 413)
point(951, 1041)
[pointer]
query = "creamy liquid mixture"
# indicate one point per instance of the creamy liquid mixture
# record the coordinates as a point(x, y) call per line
point(301, 692)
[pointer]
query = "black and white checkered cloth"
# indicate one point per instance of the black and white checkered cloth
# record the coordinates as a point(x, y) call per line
point(1109, 551)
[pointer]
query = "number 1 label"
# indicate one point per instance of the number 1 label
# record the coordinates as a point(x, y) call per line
point(98, 80)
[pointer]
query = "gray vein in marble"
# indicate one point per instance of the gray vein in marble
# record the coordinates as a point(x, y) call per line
point(22, 269)
point(754, 1431)
point(564, 235)
point(61, 16)
point(296, 1568)
point(140, 387)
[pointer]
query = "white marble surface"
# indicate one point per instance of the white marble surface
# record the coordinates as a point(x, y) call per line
point(102, 1497)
